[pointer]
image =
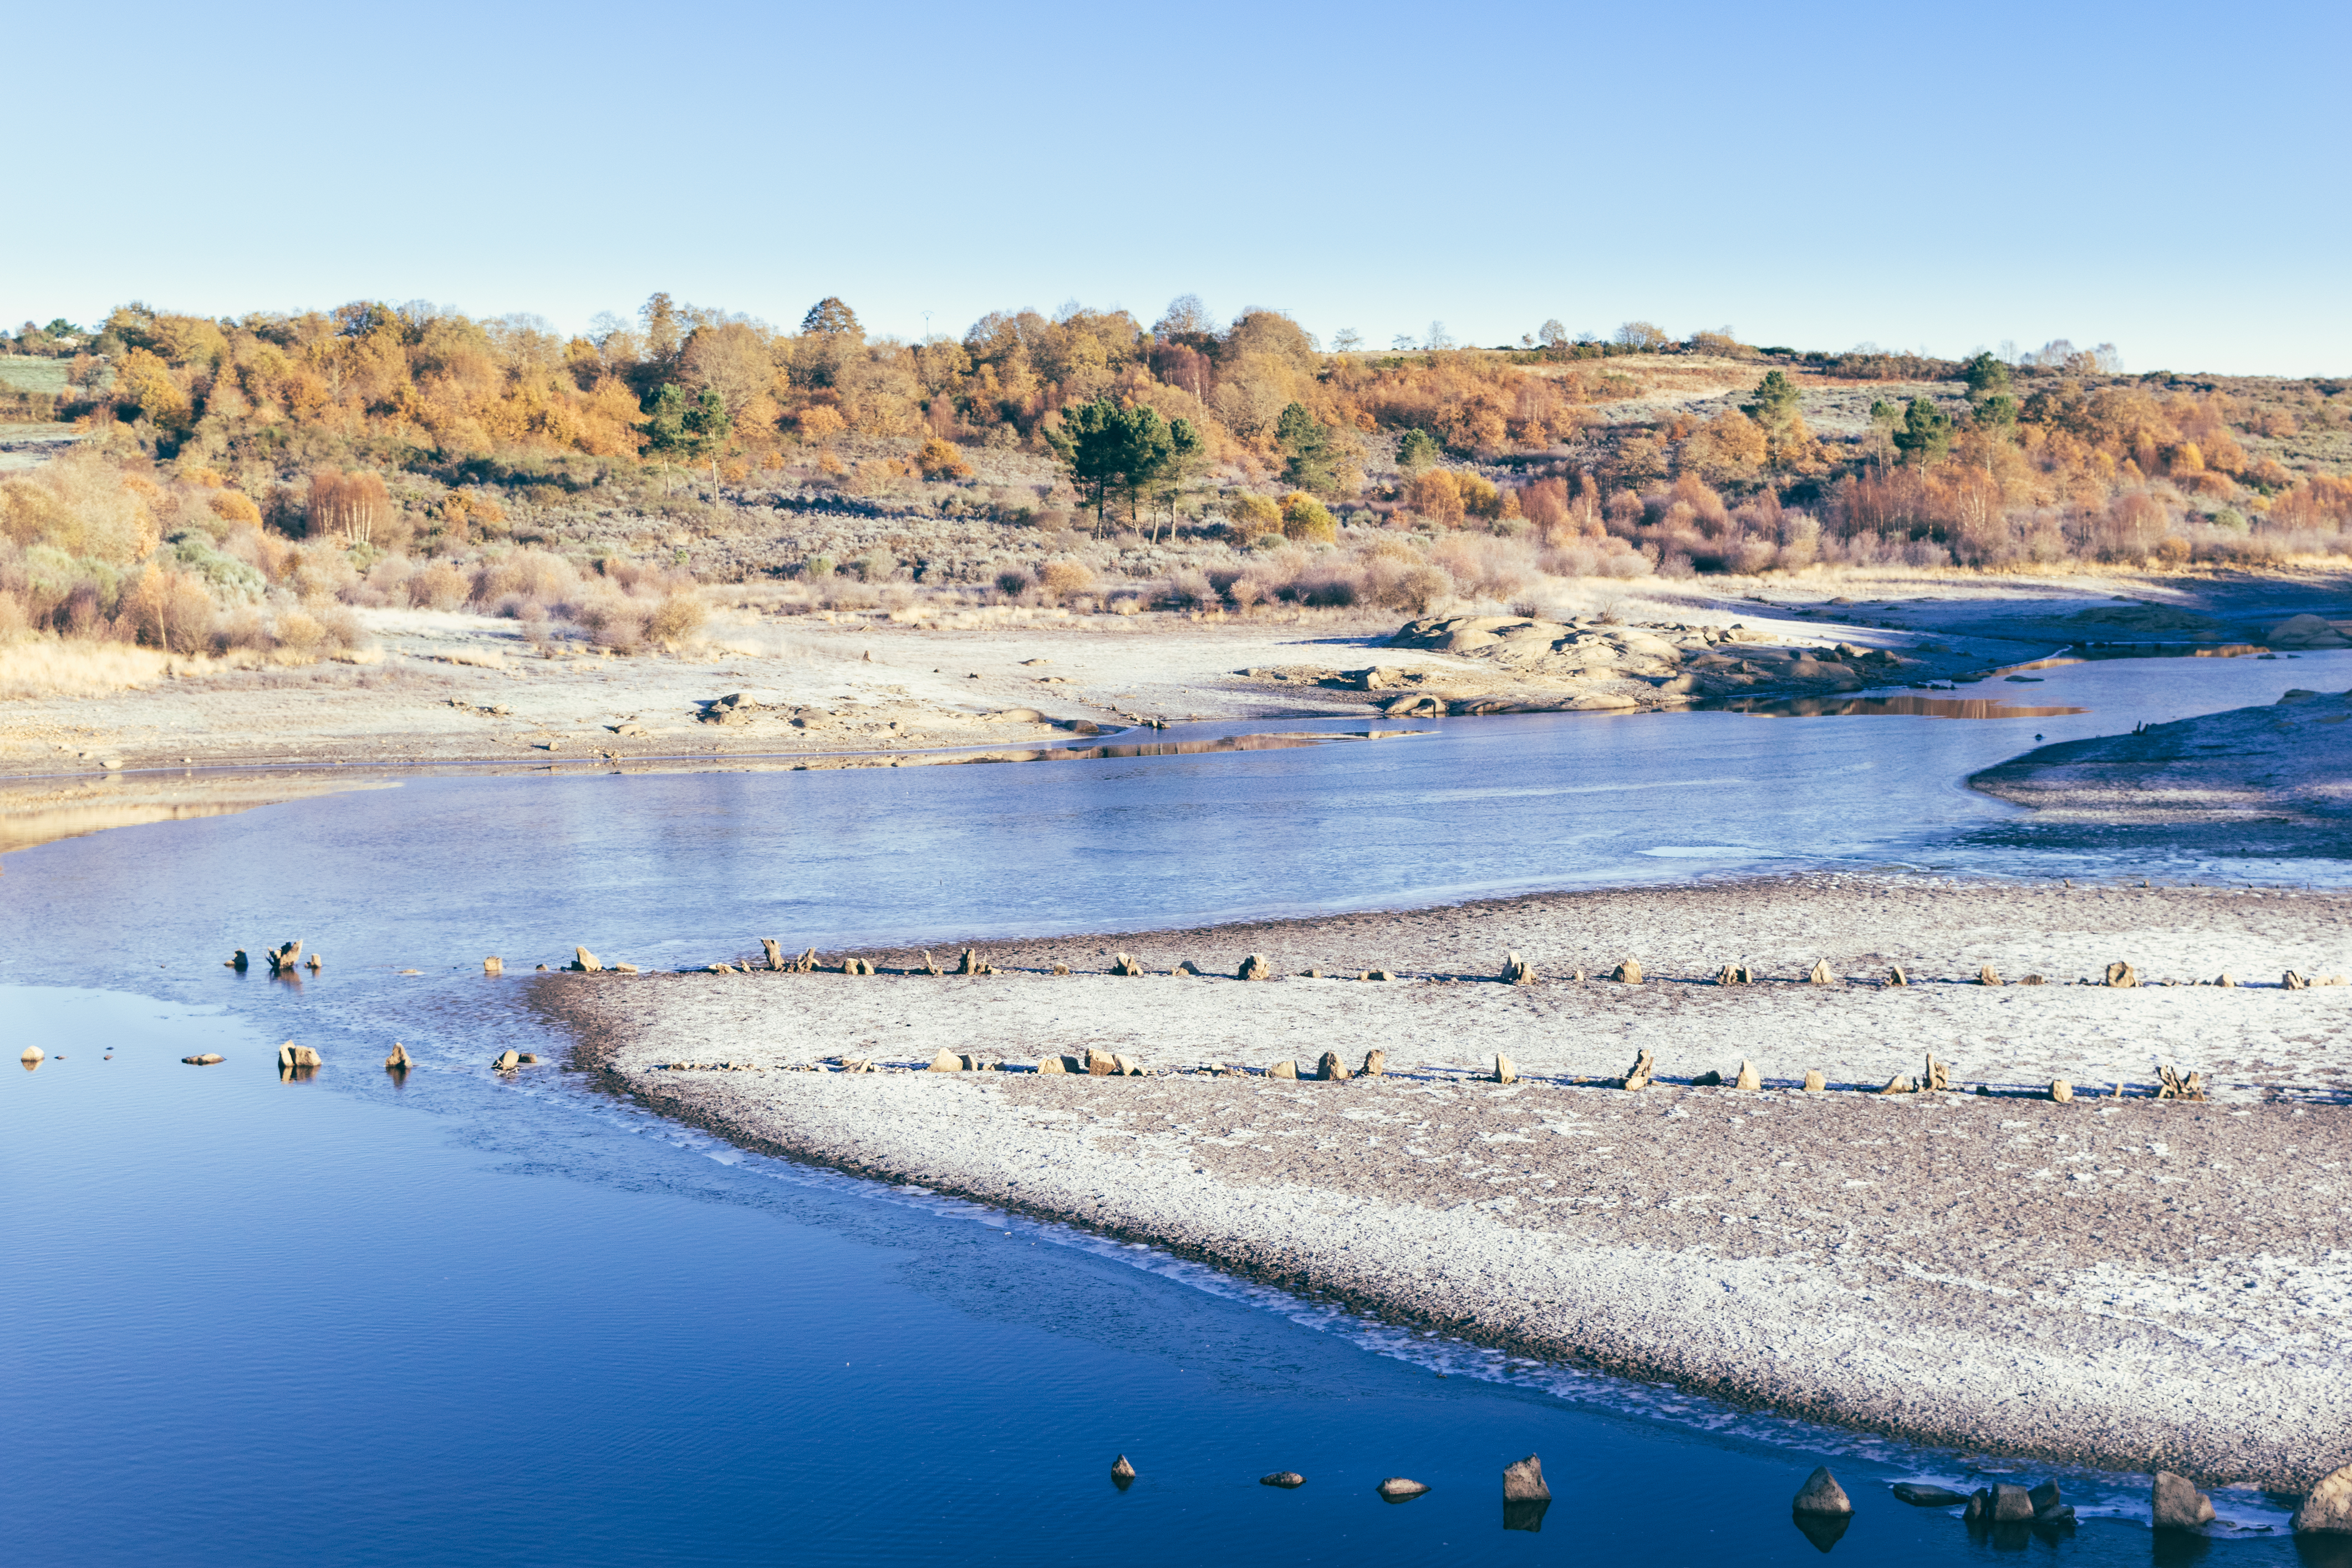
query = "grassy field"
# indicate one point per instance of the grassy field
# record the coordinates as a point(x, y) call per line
point(24, 373)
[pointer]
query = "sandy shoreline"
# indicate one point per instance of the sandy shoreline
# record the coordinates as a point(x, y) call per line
point(2118, 1283)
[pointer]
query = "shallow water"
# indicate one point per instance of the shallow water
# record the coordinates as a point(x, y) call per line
point(459, 1320)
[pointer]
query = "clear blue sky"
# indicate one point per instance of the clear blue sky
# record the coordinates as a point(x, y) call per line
point(2166, 177)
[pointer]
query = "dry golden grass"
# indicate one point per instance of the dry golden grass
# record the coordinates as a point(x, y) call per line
point(81, 668)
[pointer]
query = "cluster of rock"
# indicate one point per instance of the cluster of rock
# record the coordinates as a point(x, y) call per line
point(1525, 1495)
point(1596, 663)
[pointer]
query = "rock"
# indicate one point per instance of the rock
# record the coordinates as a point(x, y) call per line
point(209, 1059)
point(1289, 1480)
point(507, 1061)
point(1815, 1082)
point(314, 964)
point(972, 964)
point(1504, 1072)
point(1898, 1084)
point(1283, 1070)
point(2291, 981)
point(494, 967)
point(2176, 1504)
point(1938, 1075)
point(31, 1056)
point(1894, 976)
point(2033, 980)
point(584, 962)
point(398, 1061)
point(931, 964)
point(2061, 1090)
point(1979, 1506)
point(857, 967)
point(1733, 974)
point(2225, 979)
point(1126, 1067)
point(1188, 967)
point(1376, 1062)
point(1747, 1078)
point(1638, 1075)
point(1629, 972)
point(1120, 964)
point(1707, 1079)
point(1397, 1489)
point(946, 1061)
point(1820, 974)
point(2044, 1497)
point(624, 969)
point(2009, 1505)
point(1821, 1494)
point(1988, 975)
point(1331, 1070)
point(1518, 971)
point(2328, 1510)
point(290, 1055)
point(1051, 1063)
point(972, 1062)
point(2304, 632)
point(1376, 975)
point(774, 950)
point(1122, 1474)
point(2121, 974)
point(1918, 1494)
point(2173, 1084)
point(1255, 967)
point(527, 1059)
point(1101, 1063)
point(1524, 1482)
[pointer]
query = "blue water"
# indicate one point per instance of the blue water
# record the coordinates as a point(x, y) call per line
point(465, 1321)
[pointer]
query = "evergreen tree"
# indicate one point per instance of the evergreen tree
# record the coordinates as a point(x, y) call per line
point(1305, 447)
point(1416, 451)
point(1925, 435)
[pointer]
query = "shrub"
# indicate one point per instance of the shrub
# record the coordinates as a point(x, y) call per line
point(940, 460)
point(1254, 514)
point(439, 586)
point(1305, 519)
point(679, 616)
point(1060, 579)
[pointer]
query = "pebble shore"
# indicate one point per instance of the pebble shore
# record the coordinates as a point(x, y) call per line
point(2126, 1283)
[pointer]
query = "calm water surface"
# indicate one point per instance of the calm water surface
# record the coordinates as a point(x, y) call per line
point(462, 1320)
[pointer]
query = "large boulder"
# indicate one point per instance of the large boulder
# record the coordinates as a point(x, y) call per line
point(2305, 631)
point(2011, 1504)
point(2175, 1503)
point(2328, 1510)
point(1821, 1494)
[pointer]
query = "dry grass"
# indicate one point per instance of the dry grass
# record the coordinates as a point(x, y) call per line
point(81, 669)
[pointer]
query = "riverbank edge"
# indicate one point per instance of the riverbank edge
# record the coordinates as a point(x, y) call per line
point(597, 1043)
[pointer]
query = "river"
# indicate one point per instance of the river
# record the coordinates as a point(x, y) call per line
point(464, 1319)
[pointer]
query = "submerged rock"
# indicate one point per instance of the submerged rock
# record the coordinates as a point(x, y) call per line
point(1919, 1494)
point(1821, 1494)
point(208, 1059)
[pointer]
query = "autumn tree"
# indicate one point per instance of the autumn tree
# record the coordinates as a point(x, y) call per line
point(349, 506)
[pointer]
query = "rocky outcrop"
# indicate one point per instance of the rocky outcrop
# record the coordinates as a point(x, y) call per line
point(1523, 1481)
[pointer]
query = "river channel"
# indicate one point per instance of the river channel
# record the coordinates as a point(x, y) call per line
point(465, 1320)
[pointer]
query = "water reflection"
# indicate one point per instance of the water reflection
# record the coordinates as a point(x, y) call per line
point(1912, 706)
point(1823, 1530)
point(1528, 1515)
